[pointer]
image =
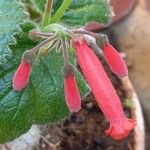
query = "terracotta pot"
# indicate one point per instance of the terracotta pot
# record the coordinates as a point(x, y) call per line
point(121, 9)
point(137, 112)
point(147, 5)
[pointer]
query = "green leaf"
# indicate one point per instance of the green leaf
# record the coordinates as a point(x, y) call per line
point(40, 4)
point(32, 9)
point(42, 101)
point(11, 16)
point(82, 11)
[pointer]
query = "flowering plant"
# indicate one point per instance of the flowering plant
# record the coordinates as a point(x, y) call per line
point(47, 84)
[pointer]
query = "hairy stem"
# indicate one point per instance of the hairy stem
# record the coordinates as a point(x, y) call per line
point(47, 13)
point(100, 38)
point(29, 55)
point(66, 59)
point(44, 35)
point(96, 35)
point(61, 11)
point(36, 48)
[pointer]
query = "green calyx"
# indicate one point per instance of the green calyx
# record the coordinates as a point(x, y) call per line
point(58, 29)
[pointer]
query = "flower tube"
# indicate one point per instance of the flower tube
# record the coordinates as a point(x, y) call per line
point(104, 92)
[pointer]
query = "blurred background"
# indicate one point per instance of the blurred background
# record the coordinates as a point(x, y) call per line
point(133, 37)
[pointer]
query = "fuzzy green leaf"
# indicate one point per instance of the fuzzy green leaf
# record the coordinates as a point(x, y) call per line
point(11, 16)
point(42, 101)
point(82, 11)
point(40, 4)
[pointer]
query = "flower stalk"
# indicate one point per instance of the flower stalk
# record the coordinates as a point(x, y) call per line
point(61, 11)
point(35, 34)
point(66, 58)
point(47, 13)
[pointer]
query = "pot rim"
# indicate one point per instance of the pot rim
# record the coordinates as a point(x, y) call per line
point(136, 113)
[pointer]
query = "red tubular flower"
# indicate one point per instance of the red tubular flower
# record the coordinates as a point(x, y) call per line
point(115, 61)
point(104, 92)
point(72, 95)
point(21, 77)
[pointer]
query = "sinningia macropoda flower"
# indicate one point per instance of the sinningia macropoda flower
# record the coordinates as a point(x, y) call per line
point(21, 77)
point(72, 95)
point(104, 92)
point(114, 60)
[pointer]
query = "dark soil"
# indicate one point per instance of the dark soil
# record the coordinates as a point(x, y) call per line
point(85, 129)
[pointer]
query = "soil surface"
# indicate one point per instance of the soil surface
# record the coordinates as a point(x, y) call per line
point(85, 130)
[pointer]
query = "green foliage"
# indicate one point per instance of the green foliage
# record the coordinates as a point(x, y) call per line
point(11, 16)
point(40, 4)
point(42, 101)
point(83, 11)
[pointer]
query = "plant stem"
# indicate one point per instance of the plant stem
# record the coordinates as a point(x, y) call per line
point(61, 11)
point(66, 59)
point(30, 54)
point(47, 13)
point(36, 48)
point(98, 36)
point(44, 35)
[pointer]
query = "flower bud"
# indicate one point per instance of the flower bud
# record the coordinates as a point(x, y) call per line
point(72, 95)
point(21, 77)
point(115, 61)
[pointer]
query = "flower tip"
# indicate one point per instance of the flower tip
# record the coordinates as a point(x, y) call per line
point(123, 73)
point(74, 108)
point(120, 133)
point(16, 88)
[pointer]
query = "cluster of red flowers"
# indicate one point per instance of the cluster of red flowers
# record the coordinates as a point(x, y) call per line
point(98, 81)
